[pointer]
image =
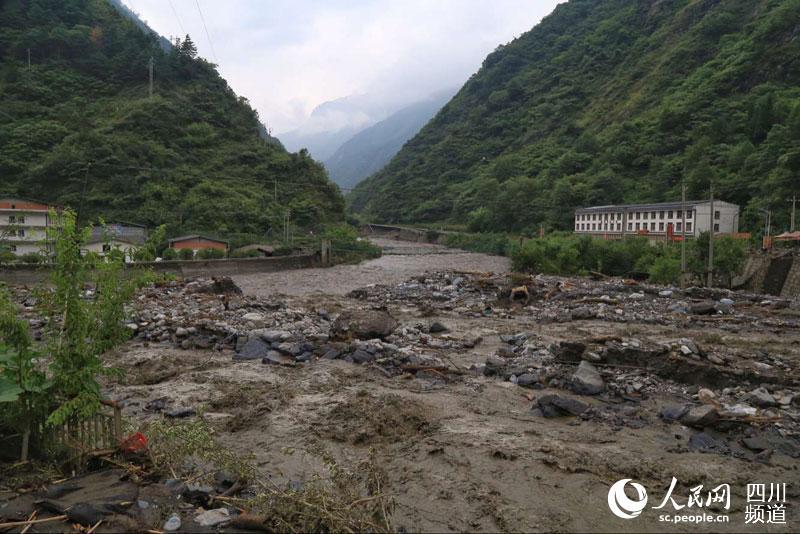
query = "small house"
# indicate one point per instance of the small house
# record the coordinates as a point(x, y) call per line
point(197, 243)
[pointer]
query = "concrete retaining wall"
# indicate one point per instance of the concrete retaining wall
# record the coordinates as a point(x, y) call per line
point(772, 275)
point(35, 274)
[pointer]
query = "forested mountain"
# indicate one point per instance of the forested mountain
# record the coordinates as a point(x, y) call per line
point(372, 148)
point(77, 127)
point(611, 101)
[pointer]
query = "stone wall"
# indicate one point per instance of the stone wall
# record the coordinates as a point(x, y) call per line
point(35, 274)
point(771, 274)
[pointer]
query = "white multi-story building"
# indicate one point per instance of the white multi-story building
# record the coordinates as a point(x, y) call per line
point(23, 225)
point(658, 220)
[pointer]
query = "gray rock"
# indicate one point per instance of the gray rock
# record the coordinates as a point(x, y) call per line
point(362, 356)
point(363, 324)
point(272, 336)
point(181, 332)
point(583, 313)
point(212, 518)
point(569, 351)
point(253, 349)
point(494, 365)
point(172, 524)
point(706, 443)
point(516, 339)
point(756, 444)
point(436, 327)
point(527, 380)
point(673, 412)
point(701, 416)
point(587, 380)
point(762, 398)
point(277, 358)
point(557, 406)
point(703, 308)
point(331, 354)
point(179, 413)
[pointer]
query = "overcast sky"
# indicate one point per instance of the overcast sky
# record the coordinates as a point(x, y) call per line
point(289, 56)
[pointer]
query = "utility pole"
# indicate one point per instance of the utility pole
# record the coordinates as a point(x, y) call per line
point(794, 205)
point(150, 69)
point(711, 241)
point(83, 192)
point(683, 235)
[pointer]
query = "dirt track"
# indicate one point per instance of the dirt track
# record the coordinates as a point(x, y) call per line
point(462, 453)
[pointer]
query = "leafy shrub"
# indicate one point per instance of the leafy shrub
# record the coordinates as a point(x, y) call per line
point(31, 257)
point(347, 246)
point(186, 254)
point(169, 254)
point(211, 254)
point(665, 270)
point(498, 244)
point(246, 254)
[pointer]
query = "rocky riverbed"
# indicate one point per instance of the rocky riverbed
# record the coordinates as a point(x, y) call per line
point(494, 401)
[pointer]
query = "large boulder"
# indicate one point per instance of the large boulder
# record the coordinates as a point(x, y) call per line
point(587, 380)
point(363, 324)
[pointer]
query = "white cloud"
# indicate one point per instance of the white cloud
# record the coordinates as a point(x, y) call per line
point(287, 57)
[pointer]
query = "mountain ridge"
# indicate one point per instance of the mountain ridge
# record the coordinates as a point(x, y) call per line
point(78, 128)
point(605, 102)
point(372, 148)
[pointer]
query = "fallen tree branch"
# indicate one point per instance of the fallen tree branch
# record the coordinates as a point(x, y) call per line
point(33, 522)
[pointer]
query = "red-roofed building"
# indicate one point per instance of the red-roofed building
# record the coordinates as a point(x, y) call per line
point(23, 224)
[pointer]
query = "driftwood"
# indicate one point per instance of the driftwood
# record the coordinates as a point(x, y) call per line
point(14, 524)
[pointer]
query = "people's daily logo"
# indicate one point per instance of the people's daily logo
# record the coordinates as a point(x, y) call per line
point(766, 503)
point(623, 506)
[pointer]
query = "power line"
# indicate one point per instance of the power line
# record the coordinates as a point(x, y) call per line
point(208, 35)
point(175, 12)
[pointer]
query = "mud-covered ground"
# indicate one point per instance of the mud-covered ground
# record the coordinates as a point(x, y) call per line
point(443, 403)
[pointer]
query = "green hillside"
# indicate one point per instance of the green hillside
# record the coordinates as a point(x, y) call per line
point(78, 128)
point(611, 101)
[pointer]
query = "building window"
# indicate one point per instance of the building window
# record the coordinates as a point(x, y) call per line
point(653, 227)
point(688, 227)
point(689, 215)
point(680, 226)
point(106, 247)
point(679, 214)
point(645, 216)
point(13, 248)
point(660, 227)
point(637, 227)
point(619, 227)
point(716, 215)
point(669, 214)
point(638, 215)
point(660, 214)
point(652, 215)
point(630, 227)
point(716, 227)
point(21, 232)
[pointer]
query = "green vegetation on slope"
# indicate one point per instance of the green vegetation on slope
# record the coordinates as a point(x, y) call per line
point(569, 254)
point(78, 128)
point(610, 101)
